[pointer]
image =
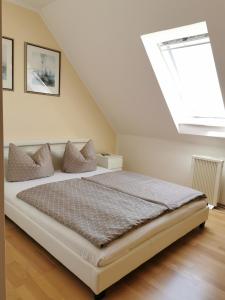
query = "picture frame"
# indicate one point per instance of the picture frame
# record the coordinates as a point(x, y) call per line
point(42, 70)
point(7, 63)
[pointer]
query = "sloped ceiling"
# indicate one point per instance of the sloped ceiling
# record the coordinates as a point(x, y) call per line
point(32, 4)
point(102, 41)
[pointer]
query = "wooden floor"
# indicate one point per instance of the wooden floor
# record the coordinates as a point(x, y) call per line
point(193, 268)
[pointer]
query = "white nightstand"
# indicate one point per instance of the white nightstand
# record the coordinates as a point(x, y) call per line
point(111, 161)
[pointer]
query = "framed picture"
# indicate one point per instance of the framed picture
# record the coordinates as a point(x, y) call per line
point(7, 63)
point(42, 70)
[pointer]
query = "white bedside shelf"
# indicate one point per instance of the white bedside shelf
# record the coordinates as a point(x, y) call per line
point(111, 161)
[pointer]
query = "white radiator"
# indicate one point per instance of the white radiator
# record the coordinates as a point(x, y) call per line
point(206, 177)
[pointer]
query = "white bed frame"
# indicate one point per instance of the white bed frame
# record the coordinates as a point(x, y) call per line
point(99, 278)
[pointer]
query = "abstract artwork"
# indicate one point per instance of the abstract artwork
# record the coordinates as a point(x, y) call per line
point(42, 70)
point(7, 63)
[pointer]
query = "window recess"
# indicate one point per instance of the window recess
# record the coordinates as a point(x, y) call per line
point(185, 68)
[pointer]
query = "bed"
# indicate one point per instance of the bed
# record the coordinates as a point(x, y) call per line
point(97, 268)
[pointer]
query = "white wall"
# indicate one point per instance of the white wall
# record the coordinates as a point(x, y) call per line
point(168, 160)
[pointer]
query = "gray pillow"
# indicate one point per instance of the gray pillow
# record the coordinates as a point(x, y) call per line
point(75, 161)
point(23, 167)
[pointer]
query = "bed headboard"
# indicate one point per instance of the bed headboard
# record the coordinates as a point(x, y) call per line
point(57, 148)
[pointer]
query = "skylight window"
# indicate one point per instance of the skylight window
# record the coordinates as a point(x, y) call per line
point(184, 65)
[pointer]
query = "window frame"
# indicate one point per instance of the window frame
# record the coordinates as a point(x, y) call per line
point(190, 125)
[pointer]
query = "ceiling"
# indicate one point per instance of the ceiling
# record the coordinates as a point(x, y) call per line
point(32, 4)
point(102, 41)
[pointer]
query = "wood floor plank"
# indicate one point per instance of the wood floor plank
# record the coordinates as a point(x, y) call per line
point(192, 268)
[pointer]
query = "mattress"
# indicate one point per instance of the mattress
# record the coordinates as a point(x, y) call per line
point(76, 243)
